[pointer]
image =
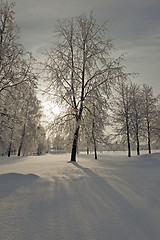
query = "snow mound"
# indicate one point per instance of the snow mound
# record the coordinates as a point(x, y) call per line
point(10, 182)
point(147, 161)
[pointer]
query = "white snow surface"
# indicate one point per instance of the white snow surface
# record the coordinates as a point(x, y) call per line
point(49, 198)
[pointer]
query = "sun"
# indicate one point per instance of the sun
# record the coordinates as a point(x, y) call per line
point(50, 110)
point(55, 109)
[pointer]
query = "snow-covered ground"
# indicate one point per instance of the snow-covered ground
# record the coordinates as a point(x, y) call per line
point(49, 198)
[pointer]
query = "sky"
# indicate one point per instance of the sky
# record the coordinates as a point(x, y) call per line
point(134, 26)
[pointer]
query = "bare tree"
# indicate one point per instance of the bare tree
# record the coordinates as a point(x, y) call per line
point(156, 129)
point(10, 49)
point(136, 114)
point(121, 113)
point(80, 64)
point(150, 107)
point(94, 121)
point(30, 116)
point(16, 66)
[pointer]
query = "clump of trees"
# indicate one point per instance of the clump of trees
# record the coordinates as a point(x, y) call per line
point(20, 129)
point(135, 115)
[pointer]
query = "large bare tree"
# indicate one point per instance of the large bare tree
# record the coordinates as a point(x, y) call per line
point(79, 64)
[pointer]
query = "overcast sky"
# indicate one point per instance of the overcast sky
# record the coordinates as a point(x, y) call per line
point(134, 26)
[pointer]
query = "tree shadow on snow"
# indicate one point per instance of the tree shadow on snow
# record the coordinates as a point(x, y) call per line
point(115, 199)
point(10, 182)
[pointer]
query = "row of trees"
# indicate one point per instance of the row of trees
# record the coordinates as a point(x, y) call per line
point(135, 115)
point(20, 129)
point(92, 90)
point(131, 121)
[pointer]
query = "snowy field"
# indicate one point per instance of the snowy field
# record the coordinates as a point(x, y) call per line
point(49, 198)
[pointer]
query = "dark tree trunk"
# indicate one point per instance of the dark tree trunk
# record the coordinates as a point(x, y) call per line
point(10, 144)
point(74, 145)
point(21, 143)
point(128, 138)
point(128, 142)
point(137, 138)
point(95, 152)
point(76, 134)
point(95, 146)
point(149, 138)
point(87, 150)
point(94, 140)
point(138, 148)
point(138, 151)
point(149, 145)
point(9, 149)
point(19, 151)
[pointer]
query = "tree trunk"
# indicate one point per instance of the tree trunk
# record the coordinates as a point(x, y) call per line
point(10, 144)
point(94, 140)
point(87, 150)
point(128, 138)
point(129, 146)
point(74, 145)
point(19, 150)
point(149, 138)
point(95, 146)
point(137, 139)
point(149, 145)
point(138, 151)
point(76, 134)
point(9, 149)
point(21, 143)
point(138, 148)
point(95, 152)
